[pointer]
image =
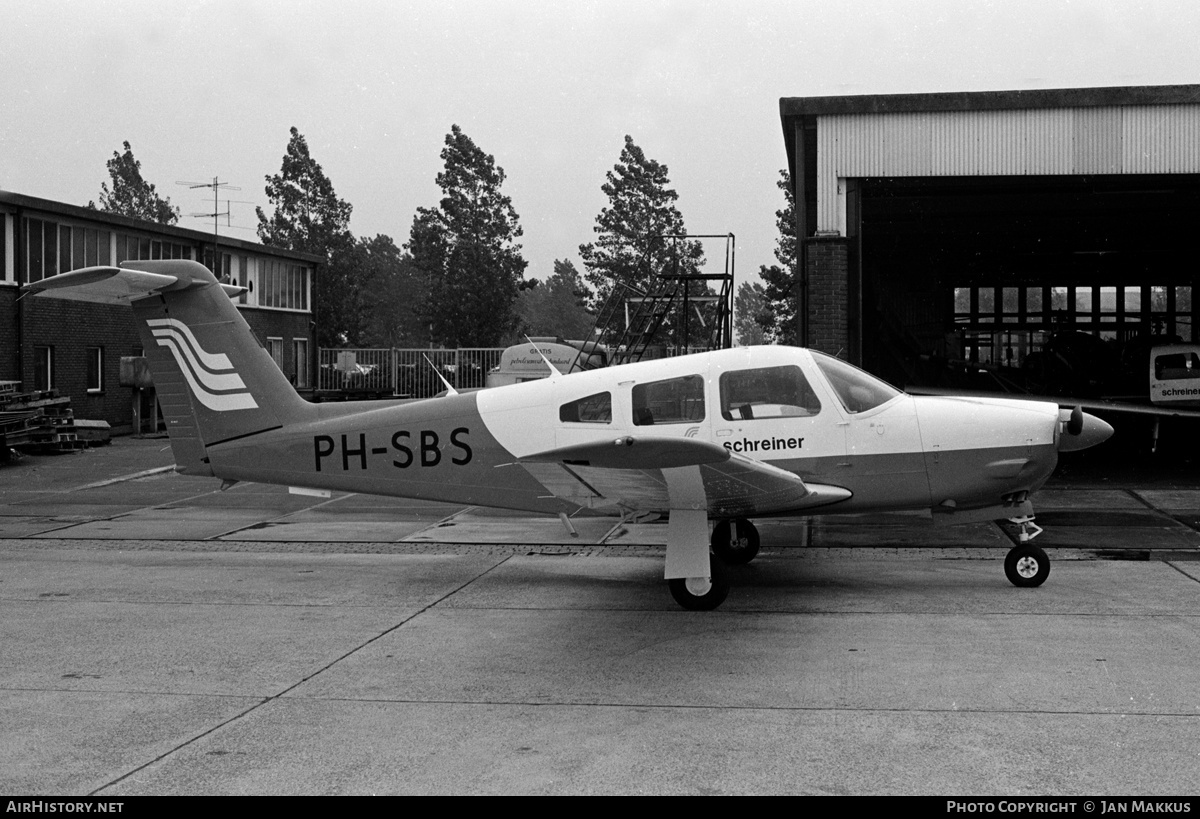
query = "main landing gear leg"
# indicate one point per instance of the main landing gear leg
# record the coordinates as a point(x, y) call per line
point(1026, 565)
point(735, 541)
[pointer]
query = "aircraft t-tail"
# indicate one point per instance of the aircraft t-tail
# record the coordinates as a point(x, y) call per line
point(724, 436)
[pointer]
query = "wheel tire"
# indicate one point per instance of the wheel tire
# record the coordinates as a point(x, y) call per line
point(1027, 566)
point(698, 597)
point(733, 552)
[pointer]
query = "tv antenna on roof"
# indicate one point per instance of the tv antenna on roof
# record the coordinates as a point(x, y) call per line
point(216, 186)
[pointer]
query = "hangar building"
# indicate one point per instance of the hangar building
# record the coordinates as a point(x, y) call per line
point(76, 347)
point(980, 226)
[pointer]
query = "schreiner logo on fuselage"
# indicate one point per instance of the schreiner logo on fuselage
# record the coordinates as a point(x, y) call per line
point(406, 448)
point(764, 444)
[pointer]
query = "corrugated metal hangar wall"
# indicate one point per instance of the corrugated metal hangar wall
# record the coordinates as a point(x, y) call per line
point(981, 226)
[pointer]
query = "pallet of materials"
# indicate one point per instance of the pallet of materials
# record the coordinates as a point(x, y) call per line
point(42, 422)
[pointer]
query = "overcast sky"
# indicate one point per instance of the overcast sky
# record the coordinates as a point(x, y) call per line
point(204, 89)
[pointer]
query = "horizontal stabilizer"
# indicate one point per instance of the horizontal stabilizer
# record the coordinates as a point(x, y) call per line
point(104, 285)
point(118, 285)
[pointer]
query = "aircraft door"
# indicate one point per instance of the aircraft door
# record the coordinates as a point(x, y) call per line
point(774, 414)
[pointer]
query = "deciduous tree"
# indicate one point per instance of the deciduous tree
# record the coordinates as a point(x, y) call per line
point(749, 306)
point(558, 306)
point(391, 296)
point(131, 195)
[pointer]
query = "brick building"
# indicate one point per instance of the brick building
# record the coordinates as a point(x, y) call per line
point(980, 225)
point(76, 347)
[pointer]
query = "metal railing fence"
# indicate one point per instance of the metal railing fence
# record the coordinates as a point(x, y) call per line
point(404, 373)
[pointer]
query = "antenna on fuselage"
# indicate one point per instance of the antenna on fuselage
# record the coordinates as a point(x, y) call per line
point(449, 387)
point(553, 370)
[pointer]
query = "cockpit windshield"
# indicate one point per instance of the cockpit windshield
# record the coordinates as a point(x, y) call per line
point(857, 390)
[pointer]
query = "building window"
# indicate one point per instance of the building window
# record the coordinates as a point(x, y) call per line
point(83, 247)
point(43, 368)
point(6, 268)
point(300, 362)
point(283, 285)
point(95, 369)
point(139, 248)
point(243, 278)
point(275, 348)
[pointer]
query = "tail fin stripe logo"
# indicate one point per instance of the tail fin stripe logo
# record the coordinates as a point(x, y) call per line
point(216, 382)
point(196, 364)
point(212, 361)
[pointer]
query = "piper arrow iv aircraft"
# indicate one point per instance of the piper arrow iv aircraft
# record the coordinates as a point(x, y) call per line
point(724, 436)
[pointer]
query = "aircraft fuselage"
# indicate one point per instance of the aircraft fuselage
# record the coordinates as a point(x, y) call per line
point(772, 405)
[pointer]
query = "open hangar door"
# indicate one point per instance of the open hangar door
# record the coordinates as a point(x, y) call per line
point(1051, 285)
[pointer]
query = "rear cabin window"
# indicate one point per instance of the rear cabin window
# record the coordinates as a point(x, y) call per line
point(767, 392)
point(674, 401)
point(594, 409)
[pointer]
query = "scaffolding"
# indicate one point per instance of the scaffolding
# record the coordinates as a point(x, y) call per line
point(632, 320)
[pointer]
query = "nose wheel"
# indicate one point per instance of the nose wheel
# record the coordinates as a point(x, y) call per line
point(1026, 565)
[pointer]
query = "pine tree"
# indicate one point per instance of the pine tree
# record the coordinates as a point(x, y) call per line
point(778, 319)
point(467, 251)
point(308, 217)
point(634, 247)
point(131, 195)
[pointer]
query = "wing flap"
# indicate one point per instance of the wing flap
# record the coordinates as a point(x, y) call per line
point(630, 476)
point(628, 452)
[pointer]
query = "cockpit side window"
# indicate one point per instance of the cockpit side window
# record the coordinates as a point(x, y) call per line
point(857, 390)
point(594, 409)
point(1174, 366)
point(767, 392)
point(674, 401)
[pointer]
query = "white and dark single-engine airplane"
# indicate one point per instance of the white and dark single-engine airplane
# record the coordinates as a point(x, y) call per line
point(724, 436)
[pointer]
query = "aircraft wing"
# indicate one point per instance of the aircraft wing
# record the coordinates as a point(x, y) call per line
point(643, 474)
point(1130, 405)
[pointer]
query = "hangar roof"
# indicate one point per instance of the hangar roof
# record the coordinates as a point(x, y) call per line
point(792, 107)
point(1074, 132)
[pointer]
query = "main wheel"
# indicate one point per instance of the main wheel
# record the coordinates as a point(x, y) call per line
point(698, 594)
point(735, 549)
point(1027, 565)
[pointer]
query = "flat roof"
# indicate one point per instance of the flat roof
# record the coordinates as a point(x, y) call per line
point(23, 202)
point(990, 100)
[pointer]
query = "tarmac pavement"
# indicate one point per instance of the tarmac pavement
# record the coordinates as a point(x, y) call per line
point(161, 636)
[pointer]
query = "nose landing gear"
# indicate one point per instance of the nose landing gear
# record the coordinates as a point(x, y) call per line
point(1026, 565)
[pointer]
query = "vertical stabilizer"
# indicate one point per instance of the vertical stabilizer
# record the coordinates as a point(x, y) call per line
point(214, 381)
